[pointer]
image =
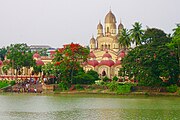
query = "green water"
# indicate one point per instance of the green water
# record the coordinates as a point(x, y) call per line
point(88, 107)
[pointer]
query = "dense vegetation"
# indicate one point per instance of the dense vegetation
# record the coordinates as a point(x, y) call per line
point(155, 59)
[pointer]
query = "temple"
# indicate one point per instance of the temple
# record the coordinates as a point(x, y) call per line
point(105, 52)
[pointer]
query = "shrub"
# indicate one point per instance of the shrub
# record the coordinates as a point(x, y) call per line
point(112, 86)
point(63, 86)
point(119, 88)
point(12, 82)
point(3, 84)
point(172, 88)
point(79, 87)
point(105, 79)
point(83, 78)
point(115, 78)
point(122, 89)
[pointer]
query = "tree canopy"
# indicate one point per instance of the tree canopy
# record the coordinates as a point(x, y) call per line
point(19, 56)
point(153, 62)
point(67, 62)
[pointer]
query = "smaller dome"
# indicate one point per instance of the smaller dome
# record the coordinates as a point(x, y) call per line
point(92, 41)
point(93, 62)
point(118, 62)
point(39, 62)
point(92, 55)
point(1, 63)
point(122, 54)
point(120, 26)
point(107, 55)
point(36, 55)
point(99, 26)
point(107, 63)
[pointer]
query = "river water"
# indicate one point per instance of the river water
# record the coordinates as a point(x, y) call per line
point(88, 107)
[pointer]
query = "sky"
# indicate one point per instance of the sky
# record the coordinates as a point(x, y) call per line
point(59, 22)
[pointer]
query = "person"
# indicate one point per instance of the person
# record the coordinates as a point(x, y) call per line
point(35, 90)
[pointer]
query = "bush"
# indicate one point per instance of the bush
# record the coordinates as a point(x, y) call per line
point(79, 87)
point(119, 88)
point(83, 78)
point(12, 82)
point(115, 78)
point(113, 86)
point(122, 89)
point(63, 86)
point(3, 84)
point(172, 88)
point(105, 79)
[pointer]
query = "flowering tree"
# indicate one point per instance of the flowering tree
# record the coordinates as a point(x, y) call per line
point(67, 61)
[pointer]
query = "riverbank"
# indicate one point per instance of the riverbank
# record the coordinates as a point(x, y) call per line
point(97, 92)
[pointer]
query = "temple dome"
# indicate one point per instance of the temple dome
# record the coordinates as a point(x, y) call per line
point(93, 62)
point(107, 63)
point(107, 55)
point(99, 26)
point(118, 62)
point(120, 26)
point(92, 55)
point(39, 62)
point(36, 55)
point(110, 18)
point(122, 54)
point(92, 41)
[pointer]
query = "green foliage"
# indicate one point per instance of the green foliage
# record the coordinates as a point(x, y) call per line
point(112, 86)
point(79, 87)
point(105, 79)
point(137, 33)
point(67, 63)
point(43, 52)
point(84, 78)
point(172, 88)
point(19, 56)
point(175, 43)
point(94, 74)
point(115, 78)
point(123, 89)
point(3, 52)
point(12, 82)
point(124, 39)
point(63, 86)
point(119, 88)
point(3, 84)
point(152, 62)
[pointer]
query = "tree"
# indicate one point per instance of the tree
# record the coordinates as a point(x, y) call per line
point(67, 61)
point(19, 56)
point(137, 33)
point(94, 74)
point(175, 43)
point(153, 62)
point(3, 52)
point(43, 52)
point(124, 39)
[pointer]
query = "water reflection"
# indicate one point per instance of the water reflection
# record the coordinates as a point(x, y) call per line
point(83, 107)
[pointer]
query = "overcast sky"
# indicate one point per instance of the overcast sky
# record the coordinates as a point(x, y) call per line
point(58, 22)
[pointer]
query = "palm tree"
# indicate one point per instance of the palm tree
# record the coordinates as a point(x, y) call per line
point(137, 33)
point(124, 39)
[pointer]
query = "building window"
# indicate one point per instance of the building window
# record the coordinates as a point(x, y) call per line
point(108, 46)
